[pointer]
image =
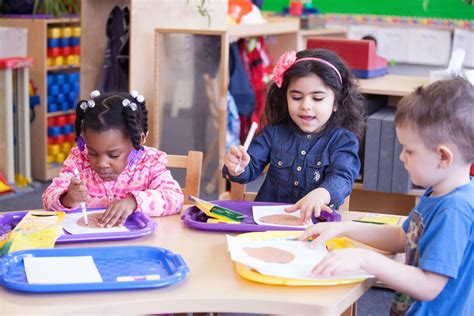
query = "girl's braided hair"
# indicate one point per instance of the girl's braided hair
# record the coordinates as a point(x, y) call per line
point(113, 110)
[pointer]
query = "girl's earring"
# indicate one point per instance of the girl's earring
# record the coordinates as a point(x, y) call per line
point(134, 157)
point(81, 144)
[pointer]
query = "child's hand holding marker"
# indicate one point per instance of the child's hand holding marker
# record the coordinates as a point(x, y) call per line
point(237, 158)
point(76, 193)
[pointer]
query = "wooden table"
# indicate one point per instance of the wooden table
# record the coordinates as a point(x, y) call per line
point(391, 85)
point(212, 285)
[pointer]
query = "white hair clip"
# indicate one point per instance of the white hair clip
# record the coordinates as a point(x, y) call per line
point(95, 94)
point(137, 96)
point(87, 104)
point(83, 106)
point(134, 94)
point(90, 103)
point(127, 103)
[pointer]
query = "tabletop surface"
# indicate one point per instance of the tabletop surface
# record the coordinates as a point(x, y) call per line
point(392, 85)
point(212, 285)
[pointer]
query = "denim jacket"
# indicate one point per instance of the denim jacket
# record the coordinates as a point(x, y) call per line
point(301, 162)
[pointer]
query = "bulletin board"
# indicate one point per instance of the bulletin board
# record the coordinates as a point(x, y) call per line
point(448, 9)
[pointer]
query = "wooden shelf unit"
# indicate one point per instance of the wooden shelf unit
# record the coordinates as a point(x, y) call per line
point(395, 87)
point(38, 50)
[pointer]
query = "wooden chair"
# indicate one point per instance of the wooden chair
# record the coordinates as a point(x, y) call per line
point(237, 192)
point(193, 165)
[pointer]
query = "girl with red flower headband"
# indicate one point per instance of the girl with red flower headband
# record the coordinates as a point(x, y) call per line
point(314, 115)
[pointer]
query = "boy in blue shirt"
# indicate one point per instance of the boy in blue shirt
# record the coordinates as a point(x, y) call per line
point(435, 126)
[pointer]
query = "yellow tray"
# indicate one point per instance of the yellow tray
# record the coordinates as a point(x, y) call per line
point(247, 273)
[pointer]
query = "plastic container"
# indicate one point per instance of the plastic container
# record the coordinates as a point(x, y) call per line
point(121, 268)
point(194, 218)
point(138, 224)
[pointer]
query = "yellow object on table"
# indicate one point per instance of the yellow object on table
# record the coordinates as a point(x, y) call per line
point(37, 229)
point(379, 219)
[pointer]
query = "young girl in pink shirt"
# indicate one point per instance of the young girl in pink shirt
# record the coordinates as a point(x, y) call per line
point(116, 170)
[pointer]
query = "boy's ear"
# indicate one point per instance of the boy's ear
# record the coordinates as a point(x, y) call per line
point(445, 154)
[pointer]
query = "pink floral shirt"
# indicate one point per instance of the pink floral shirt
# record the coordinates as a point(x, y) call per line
point(154, 189)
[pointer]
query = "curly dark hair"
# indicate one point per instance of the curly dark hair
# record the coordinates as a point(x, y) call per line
point(350, 103)
point(109, 113)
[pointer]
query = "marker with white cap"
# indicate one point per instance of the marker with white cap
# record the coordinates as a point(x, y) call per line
point(249, 138)
point(83, 204)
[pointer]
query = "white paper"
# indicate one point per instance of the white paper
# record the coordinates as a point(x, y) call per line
point(70, 225)
point(429, 47)
point(14, 42)
point(260, 211)
point(61, 270)
point(392, 43)
point(465, 39)
point(306, 258)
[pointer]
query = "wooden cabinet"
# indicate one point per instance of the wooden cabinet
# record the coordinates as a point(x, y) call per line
point(39, 73)
point(395, 87)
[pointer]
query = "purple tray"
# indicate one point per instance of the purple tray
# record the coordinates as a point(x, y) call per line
point(139, 225)
point(194, 218)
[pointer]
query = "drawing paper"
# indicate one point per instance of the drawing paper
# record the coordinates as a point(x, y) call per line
point(70, 225)
point(61, 270)
point(260, 211)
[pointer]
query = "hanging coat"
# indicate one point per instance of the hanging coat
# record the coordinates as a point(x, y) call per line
point(114, 75)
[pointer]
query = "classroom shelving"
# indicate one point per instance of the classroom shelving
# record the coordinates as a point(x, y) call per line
point(38, 49)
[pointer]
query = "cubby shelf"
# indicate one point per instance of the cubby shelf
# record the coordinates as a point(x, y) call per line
point(37, 49)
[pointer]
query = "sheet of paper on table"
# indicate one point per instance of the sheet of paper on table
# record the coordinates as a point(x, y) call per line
point(61, 270)
point(70, 225)
point(260, 211)
point(305, 260)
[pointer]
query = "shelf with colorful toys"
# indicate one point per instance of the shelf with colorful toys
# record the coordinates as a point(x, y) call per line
point(54, 44)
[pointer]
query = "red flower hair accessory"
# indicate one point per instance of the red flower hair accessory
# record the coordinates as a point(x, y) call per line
point(285, 62)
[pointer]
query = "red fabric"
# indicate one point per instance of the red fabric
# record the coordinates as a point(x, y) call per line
point(259, 66)
point(472, 169)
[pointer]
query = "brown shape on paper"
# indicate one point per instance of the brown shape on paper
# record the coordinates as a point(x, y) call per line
point(92, 220)
point(282, 219)
point(270, 254)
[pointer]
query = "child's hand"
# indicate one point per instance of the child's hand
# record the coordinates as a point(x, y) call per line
point(342, 261)
point(76, 193)
point(309, 204)
point(118, 212)
point(322, 232)
point(236, 156)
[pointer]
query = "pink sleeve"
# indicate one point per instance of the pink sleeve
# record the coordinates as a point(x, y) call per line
point(163, 195)
point(60, 183)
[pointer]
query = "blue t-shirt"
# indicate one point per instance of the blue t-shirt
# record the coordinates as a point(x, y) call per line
point(440, 238)
point(301, 162)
